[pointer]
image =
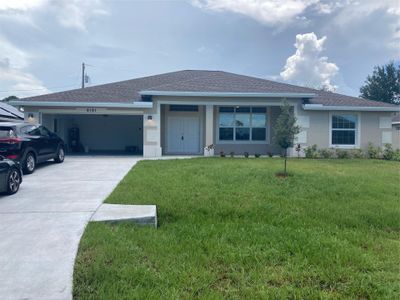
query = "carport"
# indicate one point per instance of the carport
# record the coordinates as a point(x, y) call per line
point(98, 133)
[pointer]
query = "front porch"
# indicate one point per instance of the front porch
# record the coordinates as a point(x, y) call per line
point(187, 128)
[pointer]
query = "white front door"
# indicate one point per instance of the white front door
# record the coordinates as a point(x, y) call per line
point(184, 135)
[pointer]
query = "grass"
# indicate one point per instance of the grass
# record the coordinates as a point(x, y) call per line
point(229, 228)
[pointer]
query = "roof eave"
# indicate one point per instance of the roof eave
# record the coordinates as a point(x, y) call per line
point(135, 104)
point(226, 94)
point(352, 108)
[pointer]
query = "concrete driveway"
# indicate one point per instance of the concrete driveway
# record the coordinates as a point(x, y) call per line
point(40, 226)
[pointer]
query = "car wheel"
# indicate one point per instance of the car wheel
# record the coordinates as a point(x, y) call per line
point(29, 164)
point(60, 155)
point(13, 181)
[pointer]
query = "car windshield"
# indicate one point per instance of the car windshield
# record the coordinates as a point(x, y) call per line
point(6, 133)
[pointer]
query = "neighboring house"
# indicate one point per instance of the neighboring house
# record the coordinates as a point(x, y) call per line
point(183, 112)
point(9, 113)
point(396, 131)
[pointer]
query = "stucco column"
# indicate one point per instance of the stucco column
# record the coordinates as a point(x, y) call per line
point(209, 125)
point(152, 135)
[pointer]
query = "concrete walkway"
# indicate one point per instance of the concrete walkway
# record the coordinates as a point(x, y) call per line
point(140, 214)
point(41, 226)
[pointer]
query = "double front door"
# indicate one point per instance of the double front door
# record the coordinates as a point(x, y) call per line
point(183, 135)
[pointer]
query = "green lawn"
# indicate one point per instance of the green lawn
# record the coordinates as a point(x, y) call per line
point(229, 228)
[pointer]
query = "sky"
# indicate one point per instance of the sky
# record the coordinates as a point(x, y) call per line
point(315, 43)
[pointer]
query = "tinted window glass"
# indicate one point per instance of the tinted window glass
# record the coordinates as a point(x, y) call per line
point(226, 134)
point(44, 131)
point(243, 120)
point(226, 109)
point(27, 129)
point(259, 120)
point(226, 120)
point(344, 121)
point(183, 108)
point(243, 109)
point(258, 134)
point(242, 134)
point(259, 109)
point(343, 137)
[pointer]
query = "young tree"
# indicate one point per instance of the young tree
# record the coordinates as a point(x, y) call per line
point(383, 85)
point(285, 129)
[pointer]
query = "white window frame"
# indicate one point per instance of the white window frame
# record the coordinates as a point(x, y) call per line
point(357, 130)
point(234, 141)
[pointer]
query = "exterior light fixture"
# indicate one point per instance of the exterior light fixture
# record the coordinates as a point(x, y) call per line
point(31, 118)
point(149, 118)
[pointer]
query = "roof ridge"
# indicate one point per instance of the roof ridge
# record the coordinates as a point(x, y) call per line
point(197, 77)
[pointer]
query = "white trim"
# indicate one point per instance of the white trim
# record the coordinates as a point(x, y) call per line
point(138, 104)
point(223, 103)
point(347, 108)
point(225, 94)
point(97, 112)
point(357, 132)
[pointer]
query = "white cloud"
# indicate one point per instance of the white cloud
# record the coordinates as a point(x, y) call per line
point(307, 66)
point(269, 12)
point(13, 74)
point(68, 13)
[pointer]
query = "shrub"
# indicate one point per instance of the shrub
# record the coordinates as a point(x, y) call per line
point(388, 152)
point(311, 152)
point(246, 154)
point(298, 150)
point(257, 155)
point(357, 153)
point(342, 154)
point(232, 154)
point(326, 153)
point(222, 154)
point(270, 154)
point(396, 155)
point(373, 151)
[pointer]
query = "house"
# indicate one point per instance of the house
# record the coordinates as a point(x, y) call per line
point(396, 131)
point(9, 113)
point(180, 113)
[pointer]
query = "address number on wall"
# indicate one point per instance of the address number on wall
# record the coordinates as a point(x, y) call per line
point(91, 109)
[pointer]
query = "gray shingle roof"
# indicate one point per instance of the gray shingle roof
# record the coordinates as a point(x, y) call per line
point(197, 81)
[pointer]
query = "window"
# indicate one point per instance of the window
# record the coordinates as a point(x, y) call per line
point(344, 130)
point(31, 130)
point(242, 123)
point(183, 108)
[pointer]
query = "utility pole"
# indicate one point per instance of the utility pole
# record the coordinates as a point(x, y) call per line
point(83, 75)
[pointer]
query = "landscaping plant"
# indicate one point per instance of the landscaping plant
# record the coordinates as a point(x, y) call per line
point(285, 130)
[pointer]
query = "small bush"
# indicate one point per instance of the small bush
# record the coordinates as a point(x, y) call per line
point(373, 151)
point(246, 154)
point(326, 153)
point(232, 154)
point(270, 154)
point(342, 154)
point(257, 155)
point(357, 153)
point(388, 152)
point(396, 155)
point(222, 154)
point(311, 152)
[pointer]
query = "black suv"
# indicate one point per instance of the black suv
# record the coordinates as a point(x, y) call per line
point(30, 144)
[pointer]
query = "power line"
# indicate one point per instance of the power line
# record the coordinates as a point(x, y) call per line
point(38, 89)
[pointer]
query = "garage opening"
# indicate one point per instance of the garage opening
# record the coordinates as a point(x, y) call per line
point(98, 134)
